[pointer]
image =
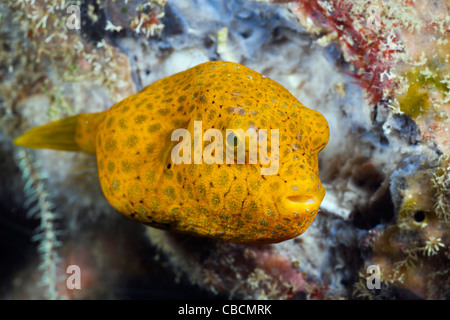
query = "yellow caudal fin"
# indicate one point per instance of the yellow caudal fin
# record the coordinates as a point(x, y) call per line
point(58, 135)
point(75, 133)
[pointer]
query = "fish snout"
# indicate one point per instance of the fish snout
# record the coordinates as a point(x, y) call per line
point(302, 199)
point(306, 202)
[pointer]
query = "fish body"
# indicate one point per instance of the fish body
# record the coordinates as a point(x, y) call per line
point(133, 142)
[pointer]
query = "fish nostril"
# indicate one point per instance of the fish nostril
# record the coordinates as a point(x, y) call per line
point(302, 199)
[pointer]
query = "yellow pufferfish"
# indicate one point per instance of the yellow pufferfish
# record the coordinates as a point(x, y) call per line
point(233, 202)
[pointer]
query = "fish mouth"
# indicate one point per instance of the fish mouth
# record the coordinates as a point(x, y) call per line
point(306, 203)
point(302, 199)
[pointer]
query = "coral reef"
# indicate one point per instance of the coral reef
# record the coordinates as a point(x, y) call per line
point(401, 62)
point(413, 251)
point(377, 71)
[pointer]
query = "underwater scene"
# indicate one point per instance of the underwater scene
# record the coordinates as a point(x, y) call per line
point(214, 149)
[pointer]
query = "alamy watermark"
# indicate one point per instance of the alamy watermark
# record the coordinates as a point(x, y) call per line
point(74, 280)
point(236, 147)
point(374, 280)
point(74, 20)
point(374, 19)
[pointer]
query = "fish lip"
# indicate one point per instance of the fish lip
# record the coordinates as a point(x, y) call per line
point(304, 202)
point(304, 199)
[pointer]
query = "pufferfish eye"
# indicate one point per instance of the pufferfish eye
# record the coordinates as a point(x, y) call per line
point(232, 139)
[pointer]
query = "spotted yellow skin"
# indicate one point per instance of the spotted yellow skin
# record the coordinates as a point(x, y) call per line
point(232, 202)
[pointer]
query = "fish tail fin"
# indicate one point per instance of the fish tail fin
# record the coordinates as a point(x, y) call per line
point(58, 135)
point(63, 134)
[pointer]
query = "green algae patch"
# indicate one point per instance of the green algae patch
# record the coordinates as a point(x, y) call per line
point(416, 101)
